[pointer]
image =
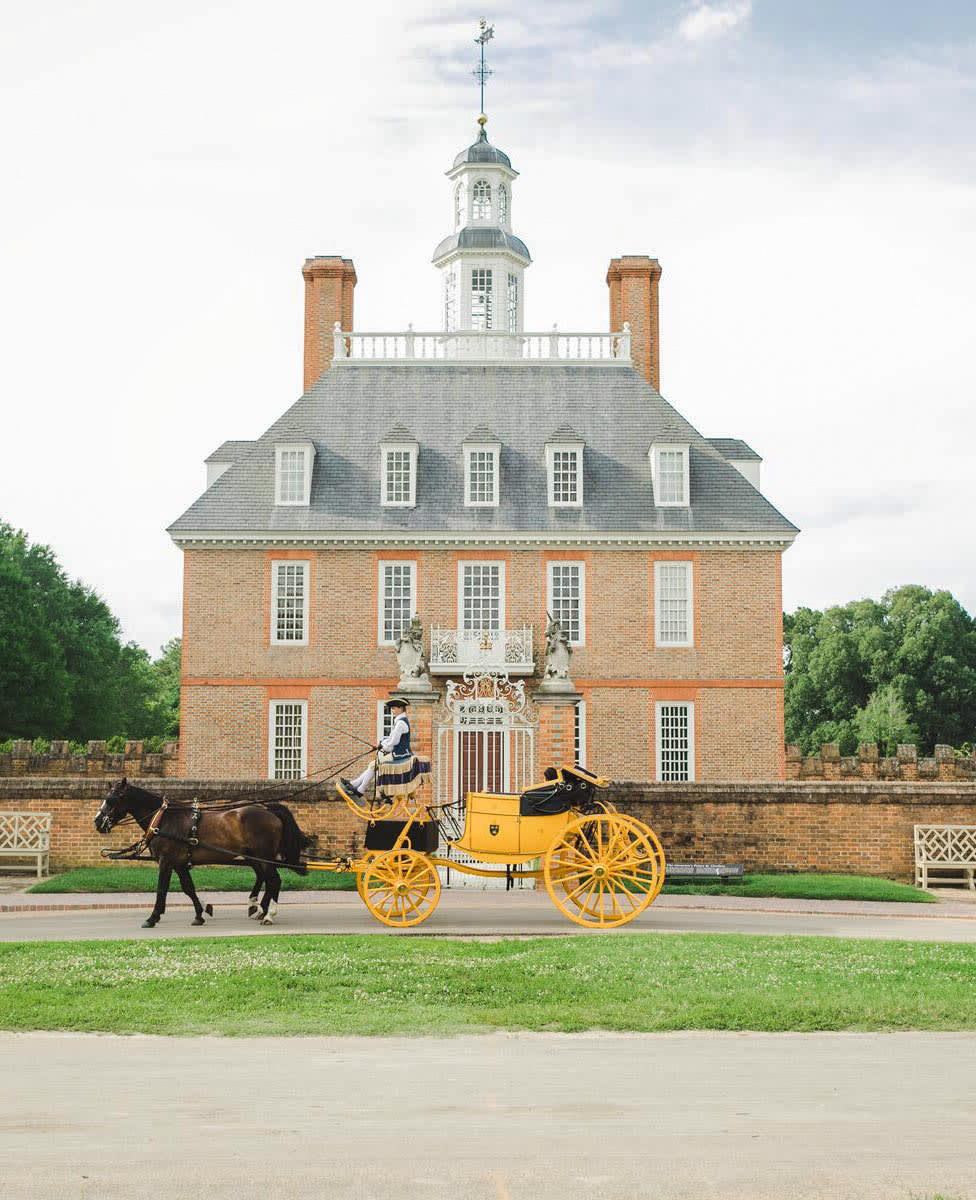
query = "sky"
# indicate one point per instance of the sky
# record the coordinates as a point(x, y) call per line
point(805, 171)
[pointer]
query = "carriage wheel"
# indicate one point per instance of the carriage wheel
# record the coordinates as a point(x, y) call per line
point(401, 888)
point(604, 870)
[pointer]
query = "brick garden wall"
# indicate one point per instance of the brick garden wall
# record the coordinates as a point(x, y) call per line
point(863, 827)
point(133, 762)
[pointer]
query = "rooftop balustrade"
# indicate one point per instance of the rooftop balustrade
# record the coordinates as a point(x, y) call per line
point(458, 650)
point(482, 345)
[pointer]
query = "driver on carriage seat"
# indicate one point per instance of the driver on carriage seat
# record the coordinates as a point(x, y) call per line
point(400, 770)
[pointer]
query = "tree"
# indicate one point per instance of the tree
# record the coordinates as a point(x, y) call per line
point(166, 671)
point(884, 720)
point(64, 670)
point(922, 643)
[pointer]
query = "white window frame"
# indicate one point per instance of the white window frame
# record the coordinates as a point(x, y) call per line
point(488, 314)
point(276, 564)
point(579, 733)
point(552, 449)
point(503, 202)
point(690, 578)
point(387, 448)
point(655, 456)
point(480, 562)
point(384, 721)
point(470, 448)
point(308, 449)
point(381, 595)
point(550, 590)
point(481, 205)
point(689, 706)
point(273, 706)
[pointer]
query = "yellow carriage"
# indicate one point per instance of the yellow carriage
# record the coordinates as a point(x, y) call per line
point(601, 868)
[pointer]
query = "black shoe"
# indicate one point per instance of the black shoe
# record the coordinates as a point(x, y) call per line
point(351, 791)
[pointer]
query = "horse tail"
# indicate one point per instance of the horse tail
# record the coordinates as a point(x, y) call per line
point(293, 840)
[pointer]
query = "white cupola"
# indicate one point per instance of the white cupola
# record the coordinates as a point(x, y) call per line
point(482, 261)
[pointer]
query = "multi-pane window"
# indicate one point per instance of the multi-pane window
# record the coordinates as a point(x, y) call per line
point(450, 301)
point(512, 303)
point(291, 476)
point(579, 733)
point(565, 486)
point(481, 476)
point(481, 298)
point(673, 620)
point(502, 203)
point(398, 475)
point(287, 738)
point(481, 586)
point(458, 204)
point(289, 599)
point(675, 741)
point(481, 200)
point(566, 598)
point(398, 599)
point(669, 470)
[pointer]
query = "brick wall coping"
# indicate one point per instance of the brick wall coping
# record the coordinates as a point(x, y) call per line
point(861, 791)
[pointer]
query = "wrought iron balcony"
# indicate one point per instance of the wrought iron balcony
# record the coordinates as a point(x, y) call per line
point(483, 345)
point(453, 651)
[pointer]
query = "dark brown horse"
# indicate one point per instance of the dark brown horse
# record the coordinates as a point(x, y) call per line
point(249, 831)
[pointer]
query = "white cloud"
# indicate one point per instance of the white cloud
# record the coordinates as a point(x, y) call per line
point(711, 20)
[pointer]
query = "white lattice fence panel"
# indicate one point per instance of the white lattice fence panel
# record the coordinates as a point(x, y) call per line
point(25, 831)
point(936, 844)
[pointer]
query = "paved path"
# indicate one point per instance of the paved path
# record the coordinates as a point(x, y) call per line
point(468, 913)
point(505, 1117)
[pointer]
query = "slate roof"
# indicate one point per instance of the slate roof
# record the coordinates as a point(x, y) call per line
point(477, 237)
point(482, 151)
point(734, 449)
point(615, 411)
point(229, 452)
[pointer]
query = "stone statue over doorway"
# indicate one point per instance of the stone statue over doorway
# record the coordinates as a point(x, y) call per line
point(414, 673)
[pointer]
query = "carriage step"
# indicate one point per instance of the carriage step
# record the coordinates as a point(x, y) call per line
point(674, 872)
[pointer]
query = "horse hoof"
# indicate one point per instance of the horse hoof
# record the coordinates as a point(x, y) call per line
point(208, 909)
point(267, 920)
point(149, 923)
point(254, 913)
point(198, 921)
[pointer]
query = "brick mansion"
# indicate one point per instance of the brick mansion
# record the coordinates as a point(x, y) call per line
point(482, 479)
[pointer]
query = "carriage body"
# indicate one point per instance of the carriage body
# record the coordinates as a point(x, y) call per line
point(600, 868)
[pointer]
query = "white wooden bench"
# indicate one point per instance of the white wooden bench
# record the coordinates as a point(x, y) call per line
point(945, 848)
point(25, 835)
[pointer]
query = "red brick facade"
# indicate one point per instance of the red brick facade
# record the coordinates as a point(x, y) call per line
point(732, 673)
point(633, 282)
point(329, 284)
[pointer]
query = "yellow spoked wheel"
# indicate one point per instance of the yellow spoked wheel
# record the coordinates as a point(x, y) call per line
point(604, 870)
point(401, 888)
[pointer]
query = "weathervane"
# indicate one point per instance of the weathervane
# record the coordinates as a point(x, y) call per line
point(482, 72)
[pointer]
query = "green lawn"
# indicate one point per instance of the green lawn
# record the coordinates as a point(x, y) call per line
point(807, 887)
point(240, 879)
point(382, 985)
point(206, 879)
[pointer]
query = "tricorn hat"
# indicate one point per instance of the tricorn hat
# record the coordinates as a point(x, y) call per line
point(396, 700)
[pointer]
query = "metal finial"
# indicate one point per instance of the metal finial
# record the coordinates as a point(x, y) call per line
point(482, 72)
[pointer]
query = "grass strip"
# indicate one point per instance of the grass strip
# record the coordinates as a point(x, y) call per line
point(385, 985)
point(808, 887)
point(206, 879)
point(240, 879)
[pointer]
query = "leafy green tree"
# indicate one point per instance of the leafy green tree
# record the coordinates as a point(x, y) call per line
point(922, 643)
point(64, 670)
point(884, 720)
point(167, 669)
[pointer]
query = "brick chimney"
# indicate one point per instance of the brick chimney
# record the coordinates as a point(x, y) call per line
point(633, 281)
point(329, 283)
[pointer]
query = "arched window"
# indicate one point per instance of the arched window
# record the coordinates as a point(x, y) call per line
point(502, 203)
point(481, 208)
point(458, 204)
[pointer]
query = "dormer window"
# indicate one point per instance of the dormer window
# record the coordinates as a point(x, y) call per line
point(399, 474)
point(564, 472)
point(293, 472)
point(481, 201)
point(669, 474)
point(481, 474)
